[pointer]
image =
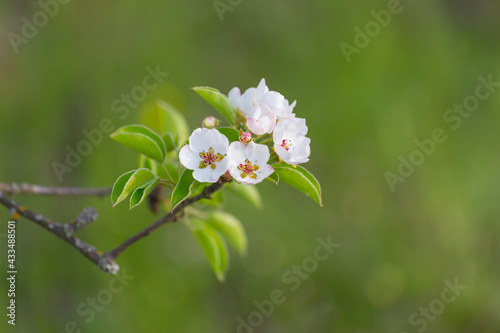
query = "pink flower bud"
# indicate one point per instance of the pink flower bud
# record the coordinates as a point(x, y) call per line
point(245, 137)
point(210, 122)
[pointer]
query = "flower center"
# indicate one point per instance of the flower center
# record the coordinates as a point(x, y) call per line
point(210, 158)
point(285, 143)
point(248, 169)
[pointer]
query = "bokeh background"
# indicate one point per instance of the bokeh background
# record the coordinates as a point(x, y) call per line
point(396, 248)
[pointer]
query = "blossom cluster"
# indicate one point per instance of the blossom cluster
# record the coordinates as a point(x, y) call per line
point(266, 114)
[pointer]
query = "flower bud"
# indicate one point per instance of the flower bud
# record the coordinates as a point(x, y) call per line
point(210, 122)
point(245, 137)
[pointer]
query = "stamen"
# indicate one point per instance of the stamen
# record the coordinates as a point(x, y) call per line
point(210, 158)
point(285, 143)
point(248, 169)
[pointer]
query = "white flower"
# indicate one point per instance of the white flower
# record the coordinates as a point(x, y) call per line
point(246, 101)
point(257, 103)
point(206, 155)
point(247, 163)
point(290, 142)
point(261, 120)
point(278, 104)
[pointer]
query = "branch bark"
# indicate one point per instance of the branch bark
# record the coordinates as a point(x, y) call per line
point(65, 231)
point(24, 188)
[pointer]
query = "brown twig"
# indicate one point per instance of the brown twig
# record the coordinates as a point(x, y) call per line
point(170, 217)
point(63, 231)
point(24, 188)
point(105, 261)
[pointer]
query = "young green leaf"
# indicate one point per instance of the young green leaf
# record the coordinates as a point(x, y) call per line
point(141, 139)
point(141, 193)
point(214, 247)
point(231, 228)
point(186, 186)
point(231, 133)
point(219, 101)
point(129, 182)
point(120, 185)
point(299, 178)
point(169, 141)
point(248, 193)
point(172, 121)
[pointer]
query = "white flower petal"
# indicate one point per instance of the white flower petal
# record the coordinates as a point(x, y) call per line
point(197, 140)
point(265, 171)
point(301, 124)
point(205, 175)
point(285, 155)
point(257, 153)
point(278, 132)
point(249, 181)
point(254, 126)
point(247, 101)
point(260, 90)
point(261, 120)
point(256, 112)
point(234, 97)
point(267, 124)
point(236, 152)
point(189, 158)
point(215, 138)
point(278, 104)
point(273, 99)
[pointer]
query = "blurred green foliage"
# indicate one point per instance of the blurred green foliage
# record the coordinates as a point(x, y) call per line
point(396, 248)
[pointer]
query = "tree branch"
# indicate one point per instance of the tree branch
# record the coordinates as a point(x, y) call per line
point(63, 231)
point(170, 217)
point(24, 188)
point(105, 261)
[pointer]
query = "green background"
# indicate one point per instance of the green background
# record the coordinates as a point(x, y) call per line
point(396, 247)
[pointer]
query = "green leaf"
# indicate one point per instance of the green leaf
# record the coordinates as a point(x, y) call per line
point(172, 169)
point(249, 193)
point(184, 187)
point(172, 121)
point(164, 174)
point(274, 177)
point(141, 193)
point(169, 141)
point(231, 133)
point(214, 247)
point(148, 163)
point(120, 185)
point(231, 228)
point(299, 178)
point(219, 101)
point(127, 183)
point(145, 162)
point(141, 139)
